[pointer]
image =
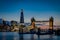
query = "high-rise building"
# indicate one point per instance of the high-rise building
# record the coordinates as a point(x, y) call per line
point(1, 21)
point(22, 17)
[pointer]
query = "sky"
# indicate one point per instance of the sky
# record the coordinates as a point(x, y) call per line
point(39, 9)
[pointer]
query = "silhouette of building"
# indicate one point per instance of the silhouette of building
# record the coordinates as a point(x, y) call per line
point(13, 23)
point(4, 22)
point(1, 21)
point(22, 17)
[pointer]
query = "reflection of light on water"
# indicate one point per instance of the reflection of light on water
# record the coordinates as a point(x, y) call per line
point(3, 34)
point(44, 36)
point(35, 36)
point(16, 37)
point(10, 35)
point(58, 37)
point(26, 36)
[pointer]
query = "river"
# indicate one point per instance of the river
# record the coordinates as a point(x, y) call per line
point(16, 36)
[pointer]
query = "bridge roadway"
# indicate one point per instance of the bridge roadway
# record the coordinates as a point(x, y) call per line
point(38, 33)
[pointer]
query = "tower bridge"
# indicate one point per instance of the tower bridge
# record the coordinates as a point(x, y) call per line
point(51, 20)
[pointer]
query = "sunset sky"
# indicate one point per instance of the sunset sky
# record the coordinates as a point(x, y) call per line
point(39, 9)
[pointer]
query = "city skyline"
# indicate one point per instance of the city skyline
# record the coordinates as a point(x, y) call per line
point(40, 10)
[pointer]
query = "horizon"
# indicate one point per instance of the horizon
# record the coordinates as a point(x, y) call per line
point(40, 10)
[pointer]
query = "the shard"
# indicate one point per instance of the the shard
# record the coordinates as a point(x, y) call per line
point(22, 17)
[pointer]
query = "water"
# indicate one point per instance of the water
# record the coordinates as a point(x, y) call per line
point(16, 36)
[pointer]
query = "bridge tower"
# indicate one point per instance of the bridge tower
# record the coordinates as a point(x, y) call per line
point(33, 22)
point(51, 24)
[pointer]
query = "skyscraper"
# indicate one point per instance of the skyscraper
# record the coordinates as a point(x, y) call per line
point(22, 17)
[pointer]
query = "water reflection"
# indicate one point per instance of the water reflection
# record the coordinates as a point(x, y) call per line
point(50, 37)
point(32, 36)
point(16, 36)
point(3, 36)
point(58, 37)
point(21, 37)
point(38, 37)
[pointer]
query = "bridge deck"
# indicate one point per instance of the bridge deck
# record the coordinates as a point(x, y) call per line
point(37, 33)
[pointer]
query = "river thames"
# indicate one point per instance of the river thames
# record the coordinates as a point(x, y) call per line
point(15, 36)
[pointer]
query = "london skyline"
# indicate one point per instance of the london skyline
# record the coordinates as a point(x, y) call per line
point(40, 10)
